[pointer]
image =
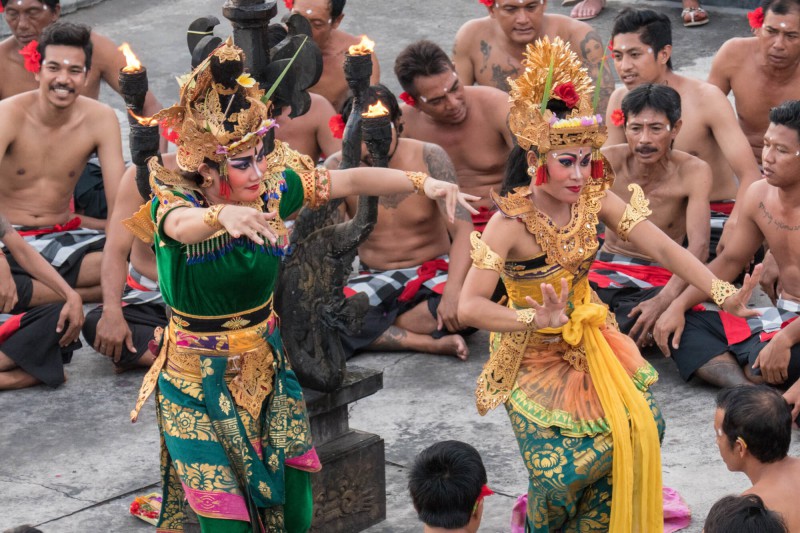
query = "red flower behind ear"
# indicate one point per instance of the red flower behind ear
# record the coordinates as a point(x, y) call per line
point(617, 117)
point(756, 18)
point(288, 3)
point(611, 45)
point(33, 59)
point(336, 124)
point(408, 99)
point(2, 8)
point(487, 3)
point(566, 93)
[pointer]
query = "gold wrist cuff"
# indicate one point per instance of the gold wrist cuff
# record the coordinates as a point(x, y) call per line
point(417, 179)
point(526, 316)
point(211, 218)
point(721, 291)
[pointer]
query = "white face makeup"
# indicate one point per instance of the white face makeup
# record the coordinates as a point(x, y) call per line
point(782, 24)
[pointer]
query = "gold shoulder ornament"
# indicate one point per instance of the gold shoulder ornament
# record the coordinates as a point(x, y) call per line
point(483, 257)
point(638, 209)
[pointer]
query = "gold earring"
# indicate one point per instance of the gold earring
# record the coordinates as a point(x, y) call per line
point(208, 181)
point(532, 171)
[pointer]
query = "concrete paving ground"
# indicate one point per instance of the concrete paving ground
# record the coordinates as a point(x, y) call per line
point(71, 462)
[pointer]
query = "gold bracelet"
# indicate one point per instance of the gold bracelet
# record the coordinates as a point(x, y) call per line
point(211, 218)
point(721, 291)
point(638, 209)
point(526, 316)
point(417, 179)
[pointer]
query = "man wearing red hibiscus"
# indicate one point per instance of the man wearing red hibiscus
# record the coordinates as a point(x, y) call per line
point(47, 138)
point(677, 186)
point(439, 109)
point(763, 70)
point(27, 19)
point(488, 50)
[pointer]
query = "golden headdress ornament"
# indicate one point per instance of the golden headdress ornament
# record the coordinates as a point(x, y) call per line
point(221, 112)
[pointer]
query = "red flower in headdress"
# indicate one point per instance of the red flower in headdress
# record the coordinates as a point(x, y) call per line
point(617, 117)
point(33, 59)
point(566, 93)
point(408, 99)
point(487, 3)
point(336, 124)
point(756, 18)
point(289, 4)
point(169, 134)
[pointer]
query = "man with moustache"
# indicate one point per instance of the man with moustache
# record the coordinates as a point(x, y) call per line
point(325, 17)
point(48, 136)
point(714, 346)
point(489, 50)
point(439, 109)
point(642, 48)
point(414, 261)
point(676, 185)
point(27, 19)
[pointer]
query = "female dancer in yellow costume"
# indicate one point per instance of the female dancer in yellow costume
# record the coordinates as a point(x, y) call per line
point(575, 388)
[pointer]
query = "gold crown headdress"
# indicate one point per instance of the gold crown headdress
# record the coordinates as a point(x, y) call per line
point(221, 112)
point(553, 71)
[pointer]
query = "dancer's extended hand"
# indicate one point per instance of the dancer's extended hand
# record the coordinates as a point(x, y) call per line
point(737, 304)
point(242, 221)
point(551, 313)
point(452, 197)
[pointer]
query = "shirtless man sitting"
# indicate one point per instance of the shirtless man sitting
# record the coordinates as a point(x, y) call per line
point(309, 134)
point(48, 136)
point(470, 123)
point(677, 186)
point(325, 17)
point(754, 431)
point(762, 71)
point(642, 49)
point(27, 19)
point(410, 243)
point(714, 345)
point(488, 50)
point(124, 329)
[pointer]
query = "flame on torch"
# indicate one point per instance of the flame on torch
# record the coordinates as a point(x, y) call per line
point(133, 64)
point(376, 110)
point(144, 121)
point(366, 46)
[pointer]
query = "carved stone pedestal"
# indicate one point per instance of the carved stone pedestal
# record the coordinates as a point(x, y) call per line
point(350, 491)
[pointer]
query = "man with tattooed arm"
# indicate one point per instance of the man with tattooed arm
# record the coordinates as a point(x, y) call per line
point(767, 346)
point(412, 284)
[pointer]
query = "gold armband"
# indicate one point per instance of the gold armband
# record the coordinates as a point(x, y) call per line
point(417, 179)
point(637, 210)
point(211, 218)
point(721, 291)
point(527, 316)
point(482, 256)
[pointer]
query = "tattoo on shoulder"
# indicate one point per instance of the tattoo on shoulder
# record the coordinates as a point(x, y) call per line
point(441, 167)
point(775, 222)
point(4, 226)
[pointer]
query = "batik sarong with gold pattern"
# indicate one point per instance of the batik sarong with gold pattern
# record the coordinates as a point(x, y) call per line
point(577, 395)
point(234, 427)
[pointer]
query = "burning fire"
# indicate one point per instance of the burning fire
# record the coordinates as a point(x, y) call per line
point(133, 63)
point(144, 121)
point(376, 110)
point(366, 46)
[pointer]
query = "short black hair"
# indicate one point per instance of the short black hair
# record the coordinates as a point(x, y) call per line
point(780, 7)
point(445, 483)
point(49, 3)
point(657, 97)
point(61, 33)
point(743, 514)
point(373, 94)
point(760, 416)
point(787, 114)
point(337, 6)
point(654, 29)
point(422, 58)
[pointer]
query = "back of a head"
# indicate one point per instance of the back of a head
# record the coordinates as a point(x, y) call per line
point(787, 114)
point(654, 29)
point(761, 417)
point(422, 58)
point(445, 482)
point(658, 97)
point(61, 33)
point(375, 93)
point(743, 514)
